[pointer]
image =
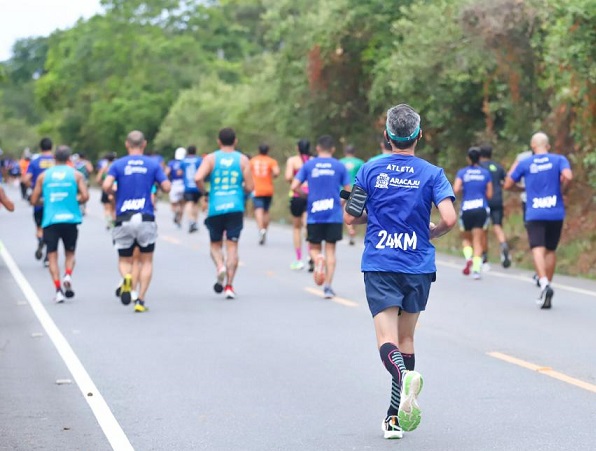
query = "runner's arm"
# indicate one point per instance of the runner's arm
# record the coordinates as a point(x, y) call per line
point(4, 200)
point(166, 186)
point(275, 171)
point(83, 195)
point(448, 218)
point(108, 184)
point(249, 184)
point(289, 175)
point(203, 172)
point(566, 178)
point(36, 194)
point(489, 190)
point(457, 186)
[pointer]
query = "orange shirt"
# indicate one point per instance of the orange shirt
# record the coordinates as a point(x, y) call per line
point(262, 167)
point(24, 165)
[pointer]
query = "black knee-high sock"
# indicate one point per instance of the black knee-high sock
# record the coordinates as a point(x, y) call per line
point(409, 363)
point(394, 363)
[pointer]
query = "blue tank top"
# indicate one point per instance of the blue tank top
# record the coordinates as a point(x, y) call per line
point(226, 194)
point(59, 190)
point(474, 181)
point(189, 168)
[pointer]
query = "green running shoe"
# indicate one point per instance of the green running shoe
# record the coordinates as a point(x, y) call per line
point(409, 412)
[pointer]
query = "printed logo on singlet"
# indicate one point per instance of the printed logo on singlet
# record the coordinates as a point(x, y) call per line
point(135, 167)
point(58, 175)
point(322, 205)
point(322, 169)
point(226, 162)
point(472, 204)
point(474, 175)
point(403, 241)
point(544, 202)
point(540, 165)
point(382, 181)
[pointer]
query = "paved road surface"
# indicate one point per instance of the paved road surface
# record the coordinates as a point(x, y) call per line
point(280, 368)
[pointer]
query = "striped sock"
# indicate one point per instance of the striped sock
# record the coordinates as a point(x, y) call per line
point(409, 362)
point(394, 362)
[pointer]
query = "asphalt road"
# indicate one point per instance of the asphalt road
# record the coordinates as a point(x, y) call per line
point(280, 368)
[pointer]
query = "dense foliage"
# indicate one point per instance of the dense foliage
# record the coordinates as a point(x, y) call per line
point(277, 70)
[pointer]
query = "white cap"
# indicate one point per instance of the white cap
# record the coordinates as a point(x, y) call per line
point(180, 153)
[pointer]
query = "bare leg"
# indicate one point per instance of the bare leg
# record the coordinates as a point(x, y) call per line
point(314, 251)
point(330, 261)
point(136, 269)
point(539, 254)
point(478, 241)
point(146, 272)
point(266, 219)
point(232, 260)
point(406, 327)
point(550, 259)
point(297, 232)
point(259, 213)
point(54, 268)
point(498, 230)
point(69, 261)
point(125, 265)
point(386, 326)
point(217, 254)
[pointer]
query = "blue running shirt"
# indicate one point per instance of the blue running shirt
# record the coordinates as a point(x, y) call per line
point(189, 167)
point(474, 181)
point(326, 177)
point(542, 176)
point(226, 194)
point(59, 191)
point(175, 166)
point(135, 176)
point(401, 190)
point(36, 167)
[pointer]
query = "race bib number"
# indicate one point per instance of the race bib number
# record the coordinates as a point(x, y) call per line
point(403, 241)
point(322, 205)
point(544, 202)
point(472, 204)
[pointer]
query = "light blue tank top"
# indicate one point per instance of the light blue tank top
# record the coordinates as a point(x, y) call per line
point(226, 194)
point(59, 190)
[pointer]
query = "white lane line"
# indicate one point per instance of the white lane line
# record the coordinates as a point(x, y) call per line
point(523, 278)
point(335, 299)
point(108, 423)
point(546, 370)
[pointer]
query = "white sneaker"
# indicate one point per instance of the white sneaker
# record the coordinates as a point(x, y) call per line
point(67, 284)
point(59, 298)
point(485, 267)
point(297, 265)
point(476, 275)
point(229, 292)
point(391, 429)
point(262, 236)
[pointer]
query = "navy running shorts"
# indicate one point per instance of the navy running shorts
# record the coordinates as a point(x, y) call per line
point(192, 196)
point(263, 202)
point(230, 223)
point(409, 292)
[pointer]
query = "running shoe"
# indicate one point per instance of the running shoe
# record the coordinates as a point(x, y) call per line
point(536, 280)
point(221, 275)
point(505, 260)
point(39, 250)
point(352, 241)
point(229, 292)
point(467, 268)
point(125, 290)
point(46, 262)
point(545, 298)
point(193, 227)
point(328, 293)
point(391, 429)
point(59, 297)
point(409, 413)
point(262, 236)
point(485, 267)
point(140, 306)
point(476, 275)
point(311, 265)
point(67, 284)
point(297, 265)
point(319, 270)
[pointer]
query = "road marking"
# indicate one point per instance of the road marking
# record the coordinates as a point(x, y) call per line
point(546, 370)
point(523, 278)
point(171, 239)
point(98, 405)
point(335, 299)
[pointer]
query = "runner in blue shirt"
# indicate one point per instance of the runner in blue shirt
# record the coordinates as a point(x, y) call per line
point(325, 176)
point(230, 179)
point(135, 175)
point(394, 196)
point(176, 176)
point(475, 184)
point(546, 178)
point(62, 189)
point(37, 165)
point(192, 194)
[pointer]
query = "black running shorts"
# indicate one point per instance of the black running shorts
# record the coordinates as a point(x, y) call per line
point(192, 196)
point(68, 233)
point(496, 214)
point(230, 223)
point(544, 234)
point(328, 232)
point(476, 218)
point(297, 206)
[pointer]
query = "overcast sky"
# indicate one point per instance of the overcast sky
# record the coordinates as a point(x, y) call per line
point(24, 18)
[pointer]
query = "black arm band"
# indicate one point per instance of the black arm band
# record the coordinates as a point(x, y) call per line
point(356, 201)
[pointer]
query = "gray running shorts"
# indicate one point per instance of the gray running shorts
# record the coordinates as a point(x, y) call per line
point(134, 231)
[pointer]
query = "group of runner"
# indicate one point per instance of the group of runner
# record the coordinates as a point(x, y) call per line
point(392, 194)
